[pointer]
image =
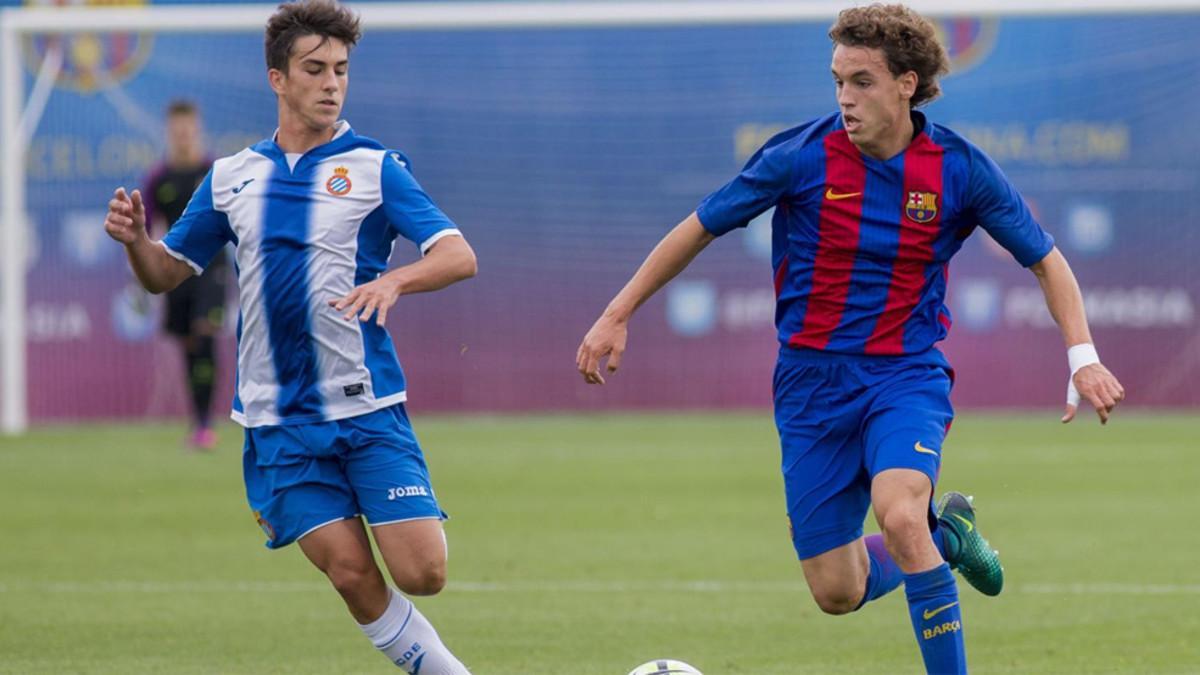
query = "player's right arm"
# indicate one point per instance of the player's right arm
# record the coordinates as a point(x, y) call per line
point(155, 269)
point(607, 336)
point(765, 179)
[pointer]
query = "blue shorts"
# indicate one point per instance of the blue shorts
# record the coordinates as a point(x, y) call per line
point(842, 420)
point(302, 476)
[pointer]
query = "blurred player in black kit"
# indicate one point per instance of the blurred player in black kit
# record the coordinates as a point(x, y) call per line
point(195, 310)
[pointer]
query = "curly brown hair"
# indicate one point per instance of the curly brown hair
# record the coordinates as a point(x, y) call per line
point(908, 40)
point(294, 20)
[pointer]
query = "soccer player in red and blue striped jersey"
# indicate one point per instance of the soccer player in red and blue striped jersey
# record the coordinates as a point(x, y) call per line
point(870, 204)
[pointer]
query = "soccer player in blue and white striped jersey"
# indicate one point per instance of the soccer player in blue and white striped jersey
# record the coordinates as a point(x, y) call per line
point(313, 213)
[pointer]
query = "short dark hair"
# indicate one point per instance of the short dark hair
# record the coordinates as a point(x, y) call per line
point(908, 40)
point(181, 106)
point(294, 20)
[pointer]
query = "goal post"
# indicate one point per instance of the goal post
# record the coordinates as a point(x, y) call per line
point(19, 114)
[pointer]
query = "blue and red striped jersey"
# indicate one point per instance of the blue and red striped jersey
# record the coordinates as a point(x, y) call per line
point(861, 246)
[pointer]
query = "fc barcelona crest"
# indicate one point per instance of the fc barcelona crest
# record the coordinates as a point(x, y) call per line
point(339, 184)
point(921, 207)
point(88, 61)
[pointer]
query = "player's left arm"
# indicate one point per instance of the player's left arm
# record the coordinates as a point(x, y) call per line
point(1006, 217)
point(448, 260)
point(1090, 380)
point(446, 255)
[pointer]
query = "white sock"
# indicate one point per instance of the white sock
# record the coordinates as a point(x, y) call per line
point(406, 637)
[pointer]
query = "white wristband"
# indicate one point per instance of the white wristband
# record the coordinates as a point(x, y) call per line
point(1080, 355)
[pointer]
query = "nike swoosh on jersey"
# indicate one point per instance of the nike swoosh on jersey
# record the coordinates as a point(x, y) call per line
point(924, 450)
point(835, 196)
point(930, 613)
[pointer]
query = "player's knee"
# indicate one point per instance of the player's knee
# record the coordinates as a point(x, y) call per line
point(903, 523)
point(902, 531)
point(426, 579)
point(836, 601)
point(350, 575)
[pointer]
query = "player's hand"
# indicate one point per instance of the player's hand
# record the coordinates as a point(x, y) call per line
point(372, 298)
point(126, 219)
point(606, 338)
point(1096, 385)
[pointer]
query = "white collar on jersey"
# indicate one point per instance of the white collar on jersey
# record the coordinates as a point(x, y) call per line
point(339, 128)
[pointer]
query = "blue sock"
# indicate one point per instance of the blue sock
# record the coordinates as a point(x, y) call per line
point(885, 574)
point(937, 619)
point(939, 540)
point(943, 538)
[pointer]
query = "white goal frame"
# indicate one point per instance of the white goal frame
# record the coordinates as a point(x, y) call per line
point(19, 117)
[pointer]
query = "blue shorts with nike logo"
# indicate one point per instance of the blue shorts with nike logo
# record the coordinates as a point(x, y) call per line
point(842, 420)
point(302, 476)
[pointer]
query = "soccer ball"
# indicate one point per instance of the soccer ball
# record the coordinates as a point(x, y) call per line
point(665, 667)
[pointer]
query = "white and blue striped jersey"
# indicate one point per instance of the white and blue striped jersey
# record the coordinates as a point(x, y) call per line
point(307, 234)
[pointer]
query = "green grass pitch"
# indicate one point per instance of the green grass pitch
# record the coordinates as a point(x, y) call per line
point(590, 544)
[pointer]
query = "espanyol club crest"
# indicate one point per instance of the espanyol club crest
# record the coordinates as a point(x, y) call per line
point(921, 207)
point(89, 60)
point(339, 184)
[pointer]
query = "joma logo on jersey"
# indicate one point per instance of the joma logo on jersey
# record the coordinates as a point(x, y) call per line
point(407, 491)
point(339, 184)
point(921, 207)
point(948, 627)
